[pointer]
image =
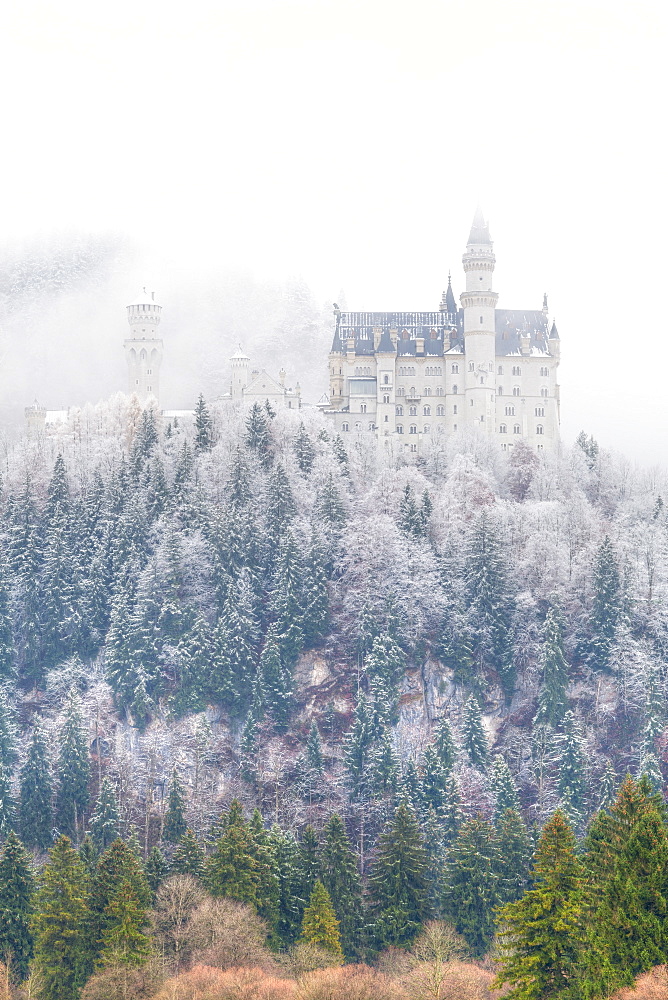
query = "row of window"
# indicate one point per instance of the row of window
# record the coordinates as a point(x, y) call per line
point(503, 429)
point(432, 370)
point(361, 372)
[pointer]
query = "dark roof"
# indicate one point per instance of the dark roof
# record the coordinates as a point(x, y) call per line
point(430, 326)
point(385, 345)
point(479, 229)
point(554, 333)
point(512, 324)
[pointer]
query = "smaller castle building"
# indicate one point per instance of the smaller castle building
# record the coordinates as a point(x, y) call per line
point(144, 348)
point(250, 385)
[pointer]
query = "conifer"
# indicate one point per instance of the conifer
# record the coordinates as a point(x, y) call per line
point(203, 426)
point(489, 600)
point(36, 794)
point(475, 740)
point(398, 883)
point(309, 862)
point(552, 700)
point(73, 773)
point(319, 924)
point(189, 856)
point(607, 605)
point(315, 603)
point(156, 869)
point(503, 787)
point(8, 753)
point(471, 880)
point(445, 744)
point(411, 519)
point(514, 855)
point(257, 433)
point(276, 681)
point(304, 450)
point(237, 869)
point(123, 939)
point(571, 782)
point(104, 823)
point(290, 906)
point(314, 755)
point(7, 806)
point(340, 876)
point(357, 750)
point(175, 818)
point(17, 889)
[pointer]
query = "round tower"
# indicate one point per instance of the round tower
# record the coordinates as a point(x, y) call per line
point(240, 369)
point(144, 349)
point(479, 305)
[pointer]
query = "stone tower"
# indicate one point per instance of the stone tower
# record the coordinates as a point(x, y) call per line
point(240, 366)
point(144, 349)
point(479, 305)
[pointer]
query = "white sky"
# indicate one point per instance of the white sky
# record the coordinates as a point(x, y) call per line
point(350, 141)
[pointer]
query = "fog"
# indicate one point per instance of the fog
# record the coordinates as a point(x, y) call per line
point(251, 160)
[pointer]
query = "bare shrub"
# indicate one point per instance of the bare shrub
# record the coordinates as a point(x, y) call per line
point(438, 941)
point(176, 900)
point(395, 962)
point(120, 982)
point(206, 983)
point(306, 957)
point(449, 981)
point(224, 933)
point(348, 982)
point(652, 985)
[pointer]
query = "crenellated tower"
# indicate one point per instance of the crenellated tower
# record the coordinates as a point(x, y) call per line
point(479, 305)
point(144, 349)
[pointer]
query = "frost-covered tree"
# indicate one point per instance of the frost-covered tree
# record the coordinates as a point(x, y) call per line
point(473, 734)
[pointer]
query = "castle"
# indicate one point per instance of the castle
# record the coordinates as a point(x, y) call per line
point(408, 376)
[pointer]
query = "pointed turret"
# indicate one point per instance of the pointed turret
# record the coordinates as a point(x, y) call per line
point(385, 345)
point(479, 235)
point(554, 333)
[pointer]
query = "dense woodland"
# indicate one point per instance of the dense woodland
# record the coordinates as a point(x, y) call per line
point(272, 703)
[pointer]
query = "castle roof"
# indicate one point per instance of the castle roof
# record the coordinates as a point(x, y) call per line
point(479, 230)
point(432, 327)
point(514, 325)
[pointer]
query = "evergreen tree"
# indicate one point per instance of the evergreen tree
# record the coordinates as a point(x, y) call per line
point(309, 862)
point(340, 454)
point(287, 601)
point(8, 753)
point(319, 924)
point(61, 921)
point(434, 781)
point(514, 855)
point(384, 665)
point(7, 807)
point(471, 880)
point(36, 794)
point(104, 822)
point(285, 855)
point(340, 876)
point(304, 450)
point(156, 869)
point(411, 519)
point(89, 854)
point(276, 681)
point(552, 701)
point(7, 667)
point(281, 507)
point(445, 744)
point(73, 773)
point(451, 812)
point(257, 433)
point(571, 767)
point(541, 930)
point(315, 603)
point(357, 751)
point(116, 866)
point(489, 602)
point(503, 787)
point(175, 824)
point(607, 606)
point(314, 751)
point(17, 888)
point(249, 747)
point(240, 868)
point(203, 426)
point(398, 884)
point(475, 740)
point(189, 856)
point(123, 939)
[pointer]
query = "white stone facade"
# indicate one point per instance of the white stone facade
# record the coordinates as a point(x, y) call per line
point(408, 376)
point(144, 349)
point(256, 385)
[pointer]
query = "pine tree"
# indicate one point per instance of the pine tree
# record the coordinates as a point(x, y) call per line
point(285, 855)
point(304, 450)
point(257, 433)
point(175, 824)
point(552, 701)
point(434, 781)
point(7, 806)
point(17, 889)
point(309, 862)
point(607, 606)
point(398, 883)
point(514, 855)
point(287, 600)
point(281, 507)
point(445, 744)
point(248, 744)
point(89, 854)
point(471, 881)
point(156, 869)
point(541, 930)
point(571, 767)
point(8, 753)
point(117, 865)
point(411, 520)
point(276, 681)
point(36, 794)
point(314, 751)
point(475, 740)
point(451, 812)
point(104, 822)
point(319, 924)
point(123, 939)
point(503, 787)
point(340, 454)
point(7, 666)
point(73, 773)
point(189, 856)
point(357, 751)
point(61, 922)
point(340, 876)
point(203, 426)
point(239, 868)
point(384, 665)
point(315, 603)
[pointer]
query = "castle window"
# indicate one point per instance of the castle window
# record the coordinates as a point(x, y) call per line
point(544, 392)
point(500, 371)
point(517, 429)
point(386, 379)
point(412, 429)
point(544, 372)
point(372, 426)
point(440, 391)
point(136, 381)
point(454, 408)
point(412, 412)
point(345, 427)
point(539, 411)
point(481, 320)
point(386, 399)
point(405, 335)
point(401, 391)
point(482, 380)
point(413, 447)
point(399, 410)
point(413, 392)
point(500, 390)
point(470, 402)
point(427, 390)
point(517, 370)
point(400, 429)
point(490, 366)
point(387, 420)
point(471, 366)
point(455, 369)
point(362, 407)
point(482, 418)
point(149, 388)
point(425, 429)
point(510, 411)
point(358, 426)
point(455, 390)
point(539, 447)
point(426, 411)
point(539, 429)
point(516, 390)
point(440, 411)
point(149, 371)
point(503, 429)
point(454, 427)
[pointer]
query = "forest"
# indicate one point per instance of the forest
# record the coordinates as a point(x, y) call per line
point(280, 716)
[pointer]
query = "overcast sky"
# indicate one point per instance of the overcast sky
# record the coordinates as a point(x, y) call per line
point(349, 142)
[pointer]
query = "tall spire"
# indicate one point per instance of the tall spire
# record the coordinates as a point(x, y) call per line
point(479, 230)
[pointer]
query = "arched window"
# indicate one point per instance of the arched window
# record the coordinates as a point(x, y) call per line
point(510, 411)
point(401, 391)
point(362, 407)
point(386, 419)
point(517, 429)
point(500, 371)
point(539, 429)
point(454, 408)
point(413, 392)
point(345, 427)
point(440, 411)
point(503, 429)
point(427, 390)
point(412, 429)
point(399, 410)
point(426, 411)
point(440, 391)
point(471, 366)
point(454, 369)
point(358, 426)
point(386, 379)
point(539, 411)
point(412, 411)
point(516, 390)
point(500, 390)
point(544, 392)
point(425, 429)
point(372, 426)
point(517, 370)
point(400, 429)
point(413, 447)
point(386, 399)
point(455, 390)
point(544, 372)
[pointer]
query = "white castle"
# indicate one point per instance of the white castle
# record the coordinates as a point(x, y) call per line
point(407, 376)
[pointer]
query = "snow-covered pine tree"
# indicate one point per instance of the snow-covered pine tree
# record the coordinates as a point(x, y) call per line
point(104, 823)
point(473, 734)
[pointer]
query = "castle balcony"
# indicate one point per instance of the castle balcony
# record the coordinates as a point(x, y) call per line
point(412, 397)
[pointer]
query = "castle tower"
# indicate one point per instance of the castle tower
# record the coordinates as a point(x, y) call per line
point(144, 349)
point(240, 366)
point(479, 304)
